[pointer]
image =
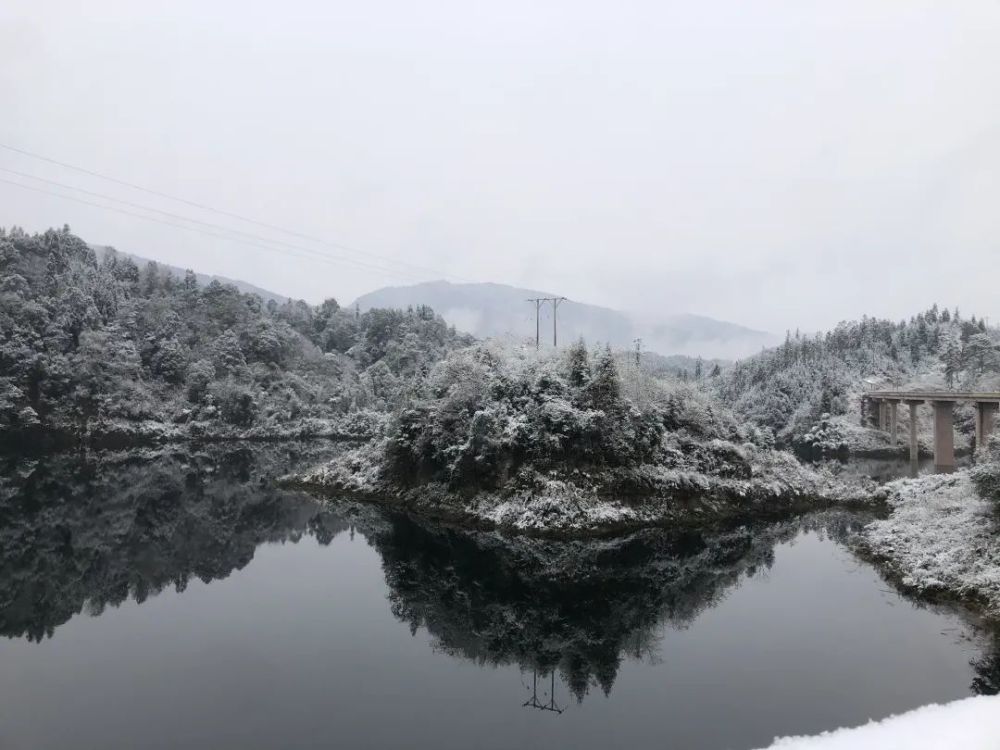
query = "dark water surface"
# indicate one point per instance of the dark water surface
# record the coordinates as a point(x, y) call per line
point(166, 600)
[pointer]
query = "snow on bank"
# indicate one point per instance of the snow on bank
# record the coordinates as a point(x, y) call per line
point(970, 724)
point(576, 503)
point(940, 538)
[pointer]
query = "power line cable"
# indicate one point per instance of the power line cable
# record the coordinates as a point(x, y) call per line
point(220, 211)
point(327, 259)
point(181, 217)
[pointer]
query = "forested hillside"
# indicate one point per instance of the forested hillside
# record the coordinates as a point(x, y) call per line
point(807, 390)
point(105, 349)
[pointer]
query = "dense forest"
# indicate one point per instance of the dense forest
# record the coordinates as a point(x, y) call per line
point(797, 386)
point(91, 349)
point(486, 411)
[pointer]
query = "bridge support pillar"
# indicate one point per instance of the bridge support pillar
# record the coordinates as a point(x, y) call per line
point(867, 411)
point(893, 421)
point(944, 435)
point(882, 415)
point(914, 445)
point(985, 419)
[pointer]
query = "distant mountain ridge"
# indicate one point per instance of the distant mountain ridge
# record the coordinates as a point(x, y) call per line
point(203, 279)
point(498, 310)
point(491, 310)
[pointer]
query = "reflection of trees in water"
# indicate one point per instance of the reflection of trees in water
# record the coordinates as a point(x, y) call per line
point(987, 666)
point(84, 532)
point(91, 531)
point(578, 608)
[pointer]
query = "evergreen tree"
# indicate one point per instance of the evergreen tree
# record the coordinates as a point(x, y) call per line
point(981, 353)
point(604, 389)
point(227, 354)
point(578, 363)
point(951, 356)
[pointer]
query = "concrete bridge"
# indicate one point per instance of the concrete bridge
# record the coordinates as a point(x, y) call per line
point(880, 409)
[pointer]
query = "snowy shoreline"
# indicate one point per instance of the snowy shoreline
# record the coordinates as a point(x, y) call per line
point(939, 541)
point(579, 504)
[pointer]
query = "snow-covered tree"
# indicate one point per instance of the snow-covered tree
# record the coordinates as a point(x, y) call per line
point(604, 390)
point(951, 355)
point(981, 353)
point(578, 363)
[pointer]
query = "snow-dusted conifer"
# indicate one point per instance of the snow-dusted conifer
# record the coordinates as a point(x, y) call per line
point(578, 363)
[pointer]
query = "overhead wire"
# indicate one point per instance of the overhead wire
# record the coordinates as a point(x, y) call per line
point(320, 257)
point(181, 217)
point(222, 212)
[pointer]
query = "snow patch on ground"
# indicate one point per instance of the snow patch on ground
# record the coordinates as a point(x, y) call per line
point(940, 538)
point(970, 724)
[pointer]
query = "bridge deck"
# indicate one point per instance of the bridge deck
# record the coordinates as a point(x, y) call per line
point(934, 396)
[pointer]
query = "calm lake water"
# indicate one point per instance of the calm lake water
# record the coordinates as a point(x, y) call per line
point(170, 600)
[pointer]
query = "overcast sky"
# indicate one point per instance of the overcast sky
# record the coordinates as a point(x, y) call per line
point(777, 164)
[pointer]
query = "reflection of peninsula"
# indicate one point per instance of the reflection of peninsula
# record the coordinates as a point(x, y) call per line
point(88, 532)
point(575, 607)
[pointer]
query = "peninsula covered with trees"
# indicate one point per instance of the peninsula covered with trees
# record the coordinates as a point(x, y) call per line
point(549, 443)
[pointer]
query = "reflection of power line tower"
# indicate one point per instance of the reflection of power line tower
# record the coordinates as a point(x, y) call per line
point(538, 306)
point(533, 701)
point(555, 307)
point(539, 301)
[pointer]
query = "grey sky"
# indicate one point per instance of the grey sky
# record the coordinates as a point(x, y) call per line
point(778, 164)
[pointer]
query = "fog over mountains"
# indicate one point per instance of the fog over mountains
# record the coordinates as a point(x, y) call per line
point(499, 310)
point(487, 309)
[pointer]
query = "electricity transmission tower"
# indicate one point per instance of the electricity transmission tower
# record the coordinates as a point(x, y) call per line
point(555, 306)
point(638, 370)
point(539, 301)
point(538, 305)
